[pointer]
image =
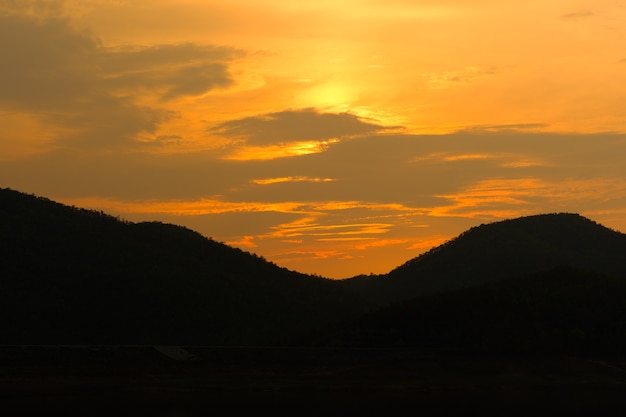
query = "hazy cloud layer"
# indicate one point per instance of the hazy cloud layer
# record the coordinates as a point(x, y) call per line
point(582, 14)
point(465, 76)
point(67, 78)
point(169, 70)
point(373, 197)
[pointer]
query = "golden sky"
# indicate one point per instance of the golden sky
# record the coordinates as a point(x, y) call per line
point(335, 137)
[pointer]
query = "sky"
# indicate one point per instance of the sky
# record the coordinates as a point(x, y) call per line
point(331, 137)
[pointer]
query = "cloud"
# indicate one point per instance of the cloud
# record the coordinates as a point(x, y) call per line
point(511, 197)
point(465, 76)
point(407, 170)
point(66, 79)
point(466, 157)
point(267, 181)
point(50, 65)
point(392, 186)
point(431, 242)
point(34, 8)
point(251, 153)
point(582, 14)
point(140, 59)
point(245, 242)
point(51, 74)
point(216, 206)
point(492, 195)
point(323, 231)
point(501, 159)
point(293, 126)
point(191, 208)
point(511, 127)
point(171, 71)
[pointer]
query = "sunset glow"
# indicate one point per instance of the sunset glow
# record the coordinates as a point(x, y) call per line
point(331, 137)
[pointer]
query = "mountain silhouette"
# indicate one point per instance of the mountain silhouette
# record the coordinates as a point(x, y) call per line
point(560, 311)
point(499, 251)
point(503, 317)
point(75, 276)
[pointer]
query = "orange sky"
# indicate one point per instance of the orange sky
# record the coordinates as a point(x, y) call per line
point(331, 137)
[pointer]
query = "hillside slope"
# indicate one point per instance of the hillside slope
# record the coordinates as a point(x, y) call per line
point(561, 311)
point(70, 275)
point(498, 251)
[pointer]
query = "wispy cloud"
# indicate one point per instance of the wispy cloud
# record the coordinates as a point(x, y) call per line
point(467, 75)
point(524, 162)
point(513, 197)
point(245, 242)
point(322, 231)
point(427, 243)
point(378, 243)
point(504, 128)
point(190, 208)
point(503, 159)
point(466, 157)
point(581, 14)
point(242, 152)
point(490, 196)
point(267, 181)
point(215, 206)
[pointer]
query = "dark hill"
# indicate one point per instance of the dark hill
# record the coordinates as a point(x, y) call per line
point(76, 276)
point(499, 251)
point(561, 311)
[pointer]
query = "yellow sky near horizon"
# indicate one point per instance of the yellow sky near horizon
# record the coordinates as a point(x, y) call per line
point(335, 137)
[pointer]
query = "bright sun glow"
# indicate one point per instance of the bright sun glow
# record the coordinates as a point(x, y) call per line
point(331, 96)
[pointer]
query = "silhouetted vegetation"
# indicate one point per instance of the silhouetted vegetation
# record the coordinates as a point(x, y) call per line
point(70, 275)
point(504, 317)
point(499, 251)
point(545, 284)
point(558, 311)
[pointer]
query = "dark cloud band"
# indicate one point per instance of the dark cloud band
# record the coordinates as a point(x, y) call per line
point(295, 126)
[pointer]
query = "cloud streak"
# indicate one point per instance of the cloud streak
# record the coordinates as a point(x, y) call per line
point(268, 181)
point(582, 14)
point(465, 76)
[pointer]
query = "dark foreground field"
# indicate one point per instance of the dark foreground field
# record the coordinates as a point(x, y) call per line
point(198, 381)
